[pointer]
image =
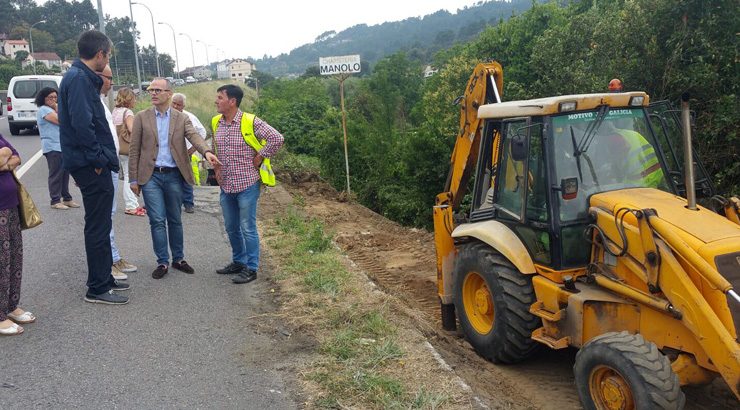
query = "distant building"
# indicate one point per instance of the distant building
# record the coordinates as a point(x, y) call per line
point(46, 58)
point(11, 47)
point(240, 69)
point(202, 73)
point(429, 71)
point(222, 69)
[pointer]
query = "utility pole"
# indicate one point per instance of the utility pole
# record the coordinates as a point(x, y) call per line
point(101, 17)
point(115, 61)
point(30, 35)
point(192, 51)
point(136, 49)
point(208, 60)
point(154, 33)
point(174, 40)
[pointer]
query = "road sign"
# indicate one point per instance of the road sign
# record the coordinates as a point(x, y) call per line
point(339, 65)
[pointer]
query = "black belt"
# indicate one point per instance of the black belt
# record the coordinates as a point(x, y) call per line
point(165, 170)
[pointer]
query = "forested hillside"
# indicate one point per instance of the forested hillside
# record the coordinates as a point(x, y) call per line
point(401, 128)
point(419, 37)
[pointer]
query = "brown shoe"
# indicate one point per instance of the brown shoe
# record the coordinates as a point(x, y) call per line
point(183, 267)
point(159, 272)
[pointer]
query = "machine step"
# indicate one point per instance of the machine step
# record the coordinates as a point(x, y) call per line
point(538, 309)
point(542, 337)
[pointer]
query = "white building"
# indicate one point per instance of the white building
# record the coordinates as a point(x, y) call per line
point(202, 72)
point(11, 47)
point(46, 58)
point(222, 69)
point(240, 69)
point(429, 71)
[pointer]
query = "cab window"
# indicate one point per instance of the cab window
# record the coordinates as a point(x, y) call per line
point(511, 178)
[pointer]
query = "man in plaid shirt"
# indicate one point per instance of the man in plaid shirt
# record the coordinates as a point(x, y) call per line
point(240, 179)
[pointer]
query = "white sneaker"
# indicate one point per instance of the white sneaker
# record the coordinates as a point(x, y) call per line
point(124, 266)
point(117, 274)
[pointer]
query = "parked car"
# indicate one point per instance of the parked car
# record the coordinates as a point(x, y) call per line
point(190, 79)
point(178, 82)
point(144, 85)
point(22, 90)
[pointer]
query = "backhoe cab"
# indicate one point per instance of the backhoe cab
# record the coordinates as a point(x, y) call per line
point(578, 235)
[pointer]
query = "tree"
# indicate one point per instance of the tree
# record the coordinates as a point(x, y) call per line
point(312, 71)
point(21, 55)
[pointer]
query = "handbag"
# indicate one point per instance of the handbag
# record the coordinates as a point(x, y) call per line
point(29, 215)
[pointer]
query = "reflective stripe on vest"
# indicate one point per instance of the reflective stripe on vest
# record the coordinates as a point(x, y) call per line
point(642, 156)
point(247, 129)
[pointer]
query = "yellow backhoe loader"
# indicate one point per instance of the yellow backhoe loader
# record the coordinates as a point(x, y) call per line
point(581, 229)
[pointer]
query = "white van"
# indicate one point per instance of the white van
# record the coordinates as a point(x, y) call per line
point(22, 90)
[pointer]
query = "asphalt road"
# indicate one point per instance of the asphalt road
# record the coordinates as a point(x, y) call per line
point(182, 341)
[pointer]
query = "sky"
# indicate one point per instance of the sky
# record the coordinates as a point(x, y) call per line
point(238, 28)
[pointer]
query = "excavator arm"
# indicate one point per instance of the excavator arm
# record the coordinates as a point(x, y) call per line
point(484, 87)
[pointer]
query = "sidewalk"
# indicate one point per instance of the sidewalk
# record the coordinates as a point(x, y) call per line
point(182, 341)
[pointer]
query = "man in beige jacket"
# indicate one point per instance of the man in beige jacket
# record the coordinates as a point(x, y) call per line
point(158, 163)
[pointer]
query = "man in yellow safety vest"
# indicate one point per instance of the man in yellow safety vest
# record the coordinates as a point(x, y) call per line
point(244, 144)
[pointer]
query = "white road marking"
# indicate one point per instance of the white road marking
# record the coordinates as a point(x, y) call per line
point(28, 164)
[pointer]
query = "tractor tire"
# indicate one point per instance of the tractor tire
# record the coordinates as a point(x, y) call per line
point(14, 129)
point(624, 371)
point(492, 300)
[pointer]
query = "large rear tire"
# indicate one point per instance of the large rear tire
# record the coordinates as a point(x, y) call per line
point(624, 371)
point(14, 129)
point(492, 300)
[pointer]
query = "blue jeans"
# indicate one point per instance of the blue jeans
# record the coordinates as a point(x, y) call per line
point(240, 220)
point(187, 193)
point(163, 198)
point(114, 249)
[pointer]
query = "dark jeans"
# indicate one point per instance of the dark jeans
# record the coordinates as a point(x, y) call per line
point(187, 193)
point(97, 196)
point(58, 178)
point(11, 261)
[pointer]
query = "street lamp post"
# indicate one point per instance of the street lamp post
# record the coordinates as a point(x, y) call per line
point(30, 35)
point(174, 39)
point(136, 49)
point(208, 60)
point(154, 33)
point(191, 48)
point(115, 61)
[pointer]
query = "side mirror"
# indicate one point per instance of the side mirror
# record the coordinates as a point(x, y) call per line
point(519, 148)
point(569, 188)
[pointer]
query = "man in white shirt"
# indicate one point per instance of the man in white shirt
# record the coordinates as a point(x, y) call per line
point(120, 267)
point(178, 103)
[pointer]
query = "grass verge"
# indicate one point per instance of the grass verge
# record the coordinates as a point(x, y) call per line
point(362, 358)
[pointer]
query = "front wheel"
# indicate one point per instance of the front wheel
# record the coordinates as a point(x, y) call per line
point(622, 371)
point(14, 129)
point(492, 300)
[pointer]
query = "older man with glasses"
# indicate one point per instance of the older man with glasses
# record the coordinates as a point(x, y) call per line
point(158, 163)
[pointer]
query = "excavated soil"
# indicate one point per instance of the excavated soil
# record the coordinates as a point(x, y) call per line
point(401, 261)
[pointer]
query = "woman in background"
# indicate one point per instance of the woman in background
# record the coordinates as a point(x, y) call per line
point(11, 246)
point(123, 119)
point(48, 122)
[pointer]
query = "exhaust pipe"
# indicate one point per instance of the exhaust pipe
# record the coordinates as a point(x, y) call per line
point(688, 154)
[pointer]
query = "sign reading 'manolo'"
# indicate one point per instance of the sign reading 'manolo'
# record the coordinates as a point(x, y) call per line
point(339, 65)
